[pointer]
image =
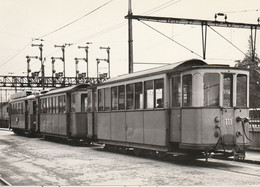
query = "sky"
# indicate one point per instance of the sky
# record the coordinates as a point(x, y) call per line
point(103, 23)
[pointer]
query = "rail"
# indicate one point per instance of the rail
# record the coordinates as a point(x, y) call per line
point(4, 182)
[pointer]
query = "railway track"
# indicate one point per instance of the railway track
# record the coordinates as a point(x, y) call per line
point(3, 182)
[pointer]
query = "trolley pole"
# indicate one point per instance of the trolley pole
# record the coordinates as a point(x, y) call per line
point(41, 59)
point(86, 59)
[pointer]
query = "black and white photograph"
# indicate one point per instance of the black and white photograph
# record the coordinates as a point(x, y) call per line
point(129, 93)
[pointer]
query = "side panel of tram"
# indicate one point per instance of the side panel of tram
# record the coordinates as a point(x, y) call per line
point(23, 115)
point(193, 110)
point(132, 113)
point(64, 114)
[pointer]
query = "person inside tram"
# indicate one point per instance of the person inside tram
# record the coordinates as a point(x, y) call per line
point(159, 103)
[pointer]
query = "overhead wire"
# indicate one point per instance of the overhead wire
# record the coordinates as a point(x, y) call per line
point(228, 41)
point(171, 39)
point(16, 54)
point(162, 6)
point(70, 23)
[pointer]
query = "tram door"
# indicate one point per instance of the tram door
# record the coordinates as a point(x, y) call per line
point(175, 118)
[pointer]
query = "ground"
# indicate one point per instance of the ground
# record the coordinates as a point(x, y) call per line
point(35, 161)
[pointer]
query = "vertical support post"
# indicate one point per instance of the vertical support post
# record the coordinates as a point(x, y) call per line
point(86, 50)
point(130, 39)
point(204, 38)
point(97, 66)
point(253, 43)
point(41, 59)
point(28, 69)
point(53, 71)
point(76, 68)
point(63, 59)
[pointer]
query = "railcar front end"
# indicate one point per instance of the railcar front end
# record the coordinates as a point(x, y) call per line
point(214, 110)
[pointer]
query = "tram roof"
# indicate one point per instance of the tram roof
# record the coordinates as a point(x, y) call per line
point(66, 89)
point(29, 97)
point(162, 69)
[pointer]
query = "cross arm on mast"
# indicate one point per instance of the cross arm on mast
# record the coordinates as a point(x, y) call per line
point(187, 21)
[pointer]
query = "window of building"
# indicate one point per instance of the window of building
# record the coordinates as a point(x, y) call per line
point(139, 95)
point(176, 91)
point(228, 90)
point(148, 94)
point(241, 90)
point(114, 98)
point(130, 96)
point(187, 90)
point(101, 100)
point(159, 92)
point(211, 89)
point(107, 99)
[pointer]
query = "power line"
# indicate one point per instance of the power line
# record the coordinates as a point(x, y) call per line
point(240, 11)
point(56, 30)
point(171, 39)
point(162, 6)
point(228, 41)
point(16, 54)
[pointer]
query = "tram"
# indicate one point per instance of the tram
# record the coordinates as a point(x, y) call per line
point(62, 112)
point(22, 113)
point(186, 107)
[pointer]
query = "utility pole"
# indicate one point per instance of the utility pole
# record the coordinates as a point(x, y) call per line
point(130, 38)
point(53, 69)
point(63, 58)
point(86, 59)
point(41, 59)
point(76, 68)
point(28, 67)
point(108, 58)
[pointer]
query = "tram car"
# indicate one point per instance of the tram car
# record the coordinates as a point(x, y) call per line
point(187, 107)
point(22, 113)
point(62, 112)
point(184, 107)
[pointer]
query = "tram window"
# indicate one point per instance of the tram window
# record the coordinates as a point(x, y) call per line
point(121, 97)
point(84, 102)
point(227, 90)
point(176, 91)
point(73, 102)
point(139, 103)
point(187, 90)
point(159, 90)
point(211, 89)
point(148, 94)
point(89, 97)
point(107, 99)
point(130, 96)
point(114, 99)
point(101, 100)
point(61, 104)
point(241, 90)
point(57, 104)
point(34, 107)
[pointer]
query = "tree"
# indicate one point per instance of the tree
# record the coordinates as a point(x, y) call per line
point(254, 70)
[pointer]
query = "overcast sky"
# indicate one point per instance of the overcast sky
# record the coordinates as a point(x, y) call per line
point(103, 23)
